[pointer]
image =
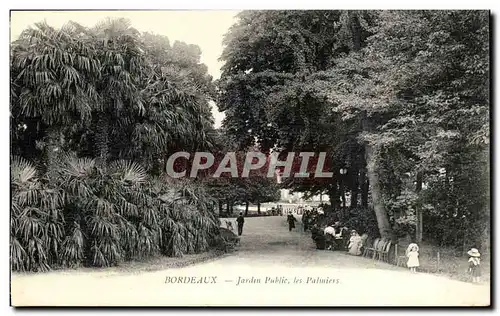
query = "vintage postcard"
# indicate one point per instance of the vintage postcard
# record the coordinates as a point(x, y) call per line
point(250, 158)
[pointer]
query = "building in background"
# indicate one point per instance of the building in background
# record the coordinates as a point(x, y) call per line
point(298, 197)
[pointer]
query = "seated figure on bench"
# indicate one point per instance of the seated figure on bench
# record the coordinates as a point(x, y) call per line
point(339, 236)
point(329, 237)
point(333, 236)
point(355, 244)
point(318, 237)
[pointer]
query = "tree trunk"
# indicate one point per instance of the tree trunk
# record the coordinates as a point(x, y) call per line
point(246, 208)
point(333, 192)
point(384, 226)
point(367, 191)
point(334, 199)
point(258, 207)
point(419, 228)
point(165, 159)
point(342, 190)
point(356, 31)
point(354, 198)
point(52, 149)
point(486, 216)
point(355, 189)
point(156, 166)
point(364, 187)
point(343, 197)
point(485, 239)
point(220, 207)
point(227, 207)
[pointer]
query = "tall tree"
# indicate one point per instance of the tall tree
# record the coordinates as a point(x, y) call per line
point(271, 91)
point(119, 50)
point(80, 98)
point(52, 74)
point(419, 80)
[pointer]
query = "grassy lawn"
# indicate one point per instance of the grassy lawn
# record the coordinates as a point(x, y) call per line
point(146, 265)
point(267, 248)
point(268, 241)
point(451, 263)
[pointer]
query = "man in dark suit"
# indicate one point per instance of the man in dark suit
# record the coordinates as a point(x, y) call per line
point(291, 221)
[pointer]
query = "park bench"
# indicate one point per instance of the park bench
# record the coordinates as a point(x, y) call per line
point(382, 251)
point(371, 249)
point(229, 239)
point(378, 249)
point(400, 256)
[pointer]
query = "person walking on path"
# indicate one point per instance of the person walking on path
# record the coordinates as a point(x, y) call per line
point(240, 220)
point(474, 264)
point(305, 220)
point(291, 221)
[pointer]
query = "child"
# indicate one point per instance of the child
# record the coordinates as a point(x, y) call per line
point(329, 233)
point(412, 254)
point(354, 246)
point(474, 264)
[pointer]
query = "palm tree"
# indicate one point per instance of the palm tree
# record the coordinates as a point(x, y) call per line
point(36, 219)
point(119, 50)
point(99, 211)
point(175, 95)
point(101, 203)
point(52, 74)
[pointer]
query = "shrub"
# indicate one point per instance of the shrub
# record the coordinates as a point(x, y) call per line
point(86, 215)
point(363, 220)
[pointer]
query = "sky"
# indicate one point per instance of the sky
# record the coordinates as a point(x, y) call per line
point(203, 28)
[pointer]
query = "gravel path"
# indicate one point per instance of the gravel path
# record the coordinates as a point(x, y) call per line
point(273, 267)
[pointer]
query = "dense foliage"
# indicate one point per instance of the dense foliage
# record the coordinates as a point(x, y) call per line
point(94, 114)
point(398, 98)
point(257, 188)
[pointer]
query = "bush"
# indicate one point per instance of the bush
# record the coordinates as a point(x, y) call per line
point(81, 214)
point(318, 237)
point(363, 220)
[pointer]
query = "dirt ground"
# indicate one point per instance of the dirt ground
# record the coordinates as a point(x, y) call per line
point(273, 267)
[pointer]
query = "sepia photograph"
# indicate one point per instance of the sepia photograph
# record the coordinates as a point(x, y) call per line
point(261, 158)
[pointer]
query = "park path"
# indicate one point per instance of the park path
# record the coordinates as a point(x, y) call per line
point(286, 264)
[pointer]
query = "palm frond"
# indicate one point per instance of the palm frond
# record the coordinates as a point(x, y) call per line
point(128, 172)
point(22, 171)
